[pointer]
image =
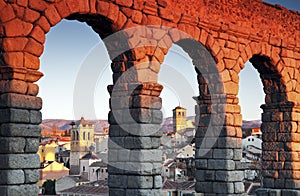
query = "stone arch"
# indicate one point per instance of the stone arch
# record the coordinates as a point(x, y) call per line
point(217, 137)
point(278, 127)
point(23, 46)
point(20, 54)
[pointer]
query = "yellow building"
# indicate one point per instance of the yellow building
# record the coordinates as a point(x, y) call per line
point(82, 138)
point(52, 171)
point(47, 152)
point(179, 119)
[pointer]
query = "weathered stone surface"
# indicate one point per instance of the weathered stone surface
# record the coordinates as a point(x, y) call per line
point(14, 115)
point(52, 15)
point(19, 190)
point(17, 161)
point(33, 89)
point(143, 182)
point(31, 15)
point(223, 154)
point(239, 187)
point(201, 164)
point(16, 27)
point(31, 176)
point(223, 187)
point(12, 177)
point(145, 130)
point(32, 145)
point(205, 175)
point(221, 164)
point(20, 130)
point(116, 192)
point(20, 101)
point(157, 182)
point(14, 44)
point(146, 155)
point(14, 59)
point(117, 181)
point(35, 117)
point(229, 176)
point(34, 47)
point(12, 145)
point(204, 187)
point(13, 86)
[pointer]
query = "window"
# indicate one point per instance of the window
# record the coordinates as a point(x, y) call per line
point(76, 136)
point(167, 170)
point(83, 168)
point(179, 113)
point(102, 170)
point(89, 135)
point(182, 113)
point(248, 139)
point(83, 135)
point(252, 139)
point(93, 171)
point(106, 170)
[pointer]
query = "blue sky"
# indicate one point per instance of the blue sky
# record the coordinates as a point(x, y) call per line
point(72, 45)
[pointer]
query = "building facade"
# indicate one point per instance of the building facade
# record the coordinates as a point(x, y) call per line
point(82, 138)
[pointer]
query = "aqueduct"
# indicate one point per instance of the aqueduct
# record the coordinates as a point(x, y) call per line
point(220, 36)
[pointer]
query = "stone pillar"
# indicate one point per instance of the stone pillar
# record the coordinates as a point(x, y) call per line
point(135, 161)
point(19, 132)
point(218, 146)
point(281, 148)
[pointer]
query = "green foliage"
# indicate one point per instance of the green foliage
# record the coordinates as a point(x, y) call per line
point(49, 187)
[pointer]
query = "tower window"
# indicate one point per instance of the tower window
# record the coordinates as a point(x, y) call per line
point(83, 168)
point(83, 135)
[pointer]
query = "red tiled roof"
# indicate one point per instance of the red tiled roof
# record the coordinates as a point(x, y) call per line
point(183, 186)
point(179, 107)
point(83, 189)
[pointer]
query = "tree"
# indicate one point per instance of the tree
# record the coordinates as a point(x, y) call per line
point(49, 187)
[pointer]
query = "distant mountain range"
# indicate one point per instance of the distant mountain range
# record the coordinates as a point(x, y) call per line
point(167, 125)
point(63, 125)
point(251, 124)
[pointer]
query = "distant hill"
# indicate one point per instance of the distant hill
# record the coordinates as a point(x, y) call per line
point(63, 124)
point(167, 125)
point(251, 123)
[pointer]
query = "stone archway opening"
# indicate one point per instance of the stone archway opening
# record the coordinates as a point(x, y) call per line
point(178, 77)
point(217, 141)
point(67, 54)
point(251, 97)
point(275, 165)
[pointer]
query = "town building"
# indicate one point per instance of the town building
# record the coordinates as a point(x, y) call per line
point(179, 119)
point(82, 138)
point(85, 162)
